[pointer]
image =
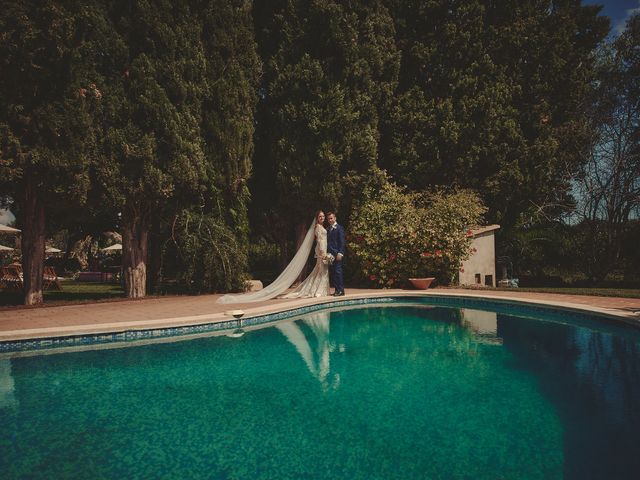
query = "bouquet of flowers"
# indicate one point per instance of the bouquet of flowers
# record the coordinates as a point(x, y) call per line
point(328, 259)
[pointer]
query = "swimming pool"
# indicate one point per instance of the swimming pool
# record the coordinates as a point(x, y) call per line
point(383, 391)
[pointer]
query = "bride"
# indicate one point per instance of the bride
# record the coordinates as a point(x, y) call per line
point(315, 285)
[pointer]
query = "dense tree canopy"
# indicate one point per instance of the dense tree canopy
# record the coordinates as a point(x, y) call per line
point(490, 97)
point(177, 127)
point(146, 105)
point(144, 115)
point(47, 100)
point(330, 70)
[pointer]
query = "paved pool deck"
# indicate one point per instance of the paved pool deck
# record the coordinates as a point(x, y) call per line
point(159, 312)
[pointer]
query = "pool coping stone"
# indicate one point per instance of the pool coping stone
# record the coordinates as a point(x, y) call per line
point(100, 333)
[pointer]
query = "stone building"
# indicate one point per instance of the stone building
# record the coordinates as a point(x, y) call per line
point(480, 268)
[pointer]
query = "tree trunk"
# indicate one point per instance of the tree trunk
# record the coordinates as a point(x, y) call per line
point(33, 244)
point(301, 232)
point(154, 261)
point(135, 233)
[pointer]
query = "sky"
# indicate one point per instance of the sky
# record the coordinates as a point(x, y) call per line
point(618, 10)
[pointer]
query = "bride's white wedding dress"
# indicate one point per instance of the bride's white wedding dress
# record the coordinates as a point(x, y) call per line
point(315, 285)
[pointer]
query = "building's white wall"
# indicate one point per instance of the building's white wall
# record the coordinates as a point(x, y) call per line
point(483, 261)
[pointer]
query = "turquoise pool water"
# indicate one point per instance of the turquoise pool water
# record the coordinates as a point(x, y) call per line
point(377, 392)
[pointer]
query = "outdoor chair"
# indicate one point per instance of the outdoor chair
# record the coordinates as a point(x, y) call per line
point(18, 269)
point(10, 278)
point(4, 280)
point(50, 279)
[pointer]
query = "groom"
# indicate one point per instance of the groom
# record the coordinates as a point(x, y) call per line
point(336, 247)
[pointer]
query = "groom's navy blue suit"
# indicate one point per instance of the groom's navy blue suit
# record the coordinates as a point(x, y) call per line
point(335, 245)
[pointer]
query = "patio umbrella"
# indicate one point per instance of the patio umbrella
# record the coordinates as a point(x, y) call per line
point(52, 250)
point(113, 248)
point(6, 229)
point(5, 249)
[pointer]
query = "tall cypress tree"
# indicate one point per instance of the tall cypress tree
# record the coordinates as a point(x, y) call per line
point(490, 98)
point(209, 231)
point(179, 96)
point(48, 97)
point(233, 71)
point(451, 113)
point(548, 51)
point(153, 150)
point(330, 69)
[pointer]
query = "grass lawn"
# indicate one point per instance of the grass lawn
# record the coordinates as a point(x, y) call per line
point(597, 292)
point(72, 292)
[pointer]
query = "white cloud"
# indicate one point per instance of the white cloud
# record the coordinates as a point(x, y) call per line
point(619, 27)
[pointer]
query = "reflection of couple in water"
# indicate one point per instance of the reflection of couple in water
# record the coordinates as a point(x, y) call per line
point(318, 362)
point(329, 253)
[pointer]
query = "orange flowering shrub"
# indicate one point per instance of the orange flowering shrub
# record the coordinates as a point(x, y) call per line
point(395, 235)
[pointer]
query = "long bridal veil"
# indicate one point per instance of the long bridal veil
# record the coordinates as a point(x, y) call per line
point(284, 280)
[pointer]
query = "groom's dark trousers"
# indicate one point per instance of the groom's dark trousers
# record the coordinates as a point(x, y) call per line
point(335, 245)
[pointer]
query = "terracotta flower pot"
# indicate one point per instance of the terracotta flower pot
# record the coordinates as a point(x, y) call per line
point(422, 283)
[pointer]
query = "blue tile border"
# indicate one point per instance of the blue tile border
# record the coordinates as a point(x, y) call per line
point(531, 309)
point(498, 305)
point(152, 333)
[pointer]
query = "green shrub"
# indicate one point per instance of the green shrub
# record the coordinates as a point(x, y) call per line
point(395, 235)
point(62, 265)
point(208, 256)
point(264, 260)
